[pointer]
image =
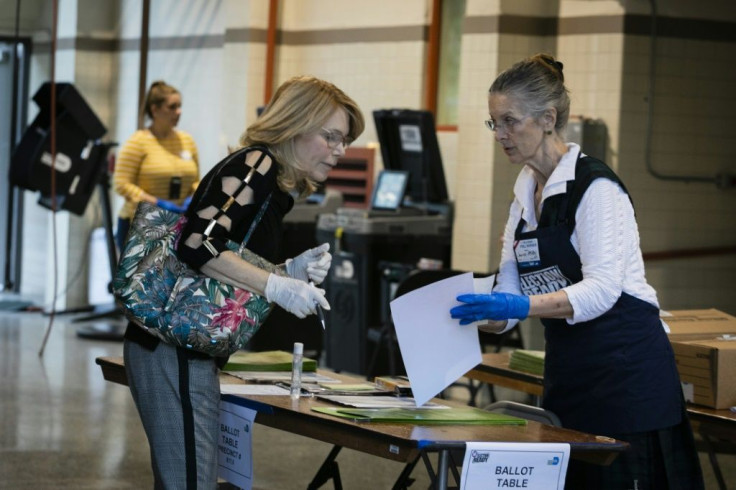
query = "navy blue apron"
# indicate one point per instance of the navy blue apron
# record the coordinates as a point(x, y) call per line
point(615, 374)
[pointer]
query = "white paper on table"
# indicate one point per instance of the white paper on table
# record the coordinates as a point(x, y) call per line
point(276, 376)
point(235, 445)
point(436, 349)
point(252, 389)
point(377, 401)
point(534, 466)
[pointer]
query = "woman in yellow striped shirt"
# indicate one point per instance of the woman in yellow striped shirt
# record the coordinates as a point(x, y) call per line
point(158, 164)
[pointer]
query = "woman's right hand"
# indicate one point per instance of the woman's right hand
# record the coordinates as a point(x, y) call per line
point(311, 265)
point(295, 296)
point(494, 306)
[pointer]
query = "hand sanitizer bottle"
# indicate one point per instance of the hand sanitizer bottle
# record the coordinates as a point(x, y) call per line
point(296, 371)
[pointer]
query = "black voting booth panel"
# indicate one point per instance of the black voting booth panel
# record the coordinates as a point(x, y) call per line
point(79, 160)
point(80, 167)
point(422, 228)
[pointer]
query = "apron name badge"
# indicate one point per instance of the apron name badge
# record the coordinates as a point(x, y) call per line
point(527, 252)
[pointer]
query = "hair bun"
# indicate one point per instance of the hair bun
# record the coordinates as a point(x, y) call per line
point(550, 62)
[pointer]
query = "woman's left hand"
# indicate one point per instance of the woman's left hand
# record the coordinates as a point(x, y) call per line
point(311, 265)
point(494, 306)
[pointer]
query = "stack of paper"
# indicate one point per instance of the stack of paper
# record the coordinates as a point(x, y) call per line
point(273, 377)
point(529, 361)
point(348, 389)
point(377, 401)
point(275, 360)
point(423, 416)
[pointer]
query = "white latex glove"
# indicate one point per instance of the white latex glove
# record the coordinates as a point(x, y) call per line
point(295, 296)
point(311, 265)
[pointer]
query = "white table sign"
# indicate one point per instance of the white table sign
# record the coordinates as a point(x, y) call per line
point(235, 445)
point(502, 465)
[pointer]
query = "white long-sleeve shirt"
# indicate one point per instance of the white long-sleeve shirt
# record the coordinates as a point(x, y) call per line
point(606, 238)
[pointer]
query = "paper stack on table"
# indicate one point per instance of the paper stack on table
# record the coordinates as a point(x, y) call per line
point(379, 401)
point(424, 416)
point(529, 361)
point(274, 360)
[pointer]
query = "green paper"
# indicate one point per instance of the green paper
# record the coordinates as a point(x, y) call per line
point(423, 416)
point(274, 360)
point(529, 361)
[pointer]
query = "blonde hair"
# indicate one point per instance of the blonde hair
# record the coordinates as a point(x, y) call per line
point(300, 106)
point(157, 94)
point(537, 83)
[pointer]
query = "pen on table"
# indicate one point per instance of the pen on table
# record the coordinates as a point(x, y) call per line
point(303, 391)
point(320, 313)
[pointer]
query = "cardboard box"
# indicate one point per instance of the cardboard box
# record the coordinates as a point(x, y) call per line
point(698, 324)
point(709, 367)
point(704, 342)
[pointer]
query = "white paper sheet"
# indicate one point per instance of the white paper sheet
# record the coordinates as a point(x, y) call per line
point(377, 401)
point(436, 349)
point(252, 389)
point(276, 376)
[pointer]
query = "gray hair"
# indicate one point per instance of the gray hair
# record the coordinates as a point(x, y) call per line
point(538, 84)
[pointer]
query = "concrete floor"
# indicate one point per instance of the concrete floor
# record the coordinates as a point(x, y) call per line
point(62, 426)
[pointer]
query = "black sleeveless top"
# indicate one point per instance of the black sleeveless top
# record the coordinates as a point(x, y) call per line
point(266, 238)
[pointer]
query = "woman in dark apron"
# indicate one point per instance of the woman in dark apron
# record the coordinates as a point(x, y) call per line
point(571, 257)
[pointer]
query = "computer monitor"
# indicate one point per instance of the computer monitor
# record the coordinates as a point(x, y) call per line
point(388, 193)
point(409, 143)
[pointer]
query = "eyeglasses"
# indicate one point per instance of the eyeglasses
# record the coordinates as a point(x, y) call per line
point(508, 125)
point(334, 138)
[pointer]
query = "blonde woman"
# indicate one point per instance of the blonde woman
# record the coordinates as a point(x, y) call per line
point(293, 145)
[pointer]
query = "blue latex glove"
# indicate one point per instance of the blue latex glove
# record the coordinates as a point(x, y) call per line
point(185, 204)
point(494, 306)
point(169, 206)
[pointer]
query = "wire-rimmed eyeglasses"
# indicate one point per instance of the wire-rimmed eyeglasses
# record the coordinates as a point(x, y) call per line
point(508, 125)
point(334, 138)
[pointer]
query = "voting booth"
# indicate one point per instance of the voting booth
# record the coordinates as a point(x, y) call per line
point(80, 158)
